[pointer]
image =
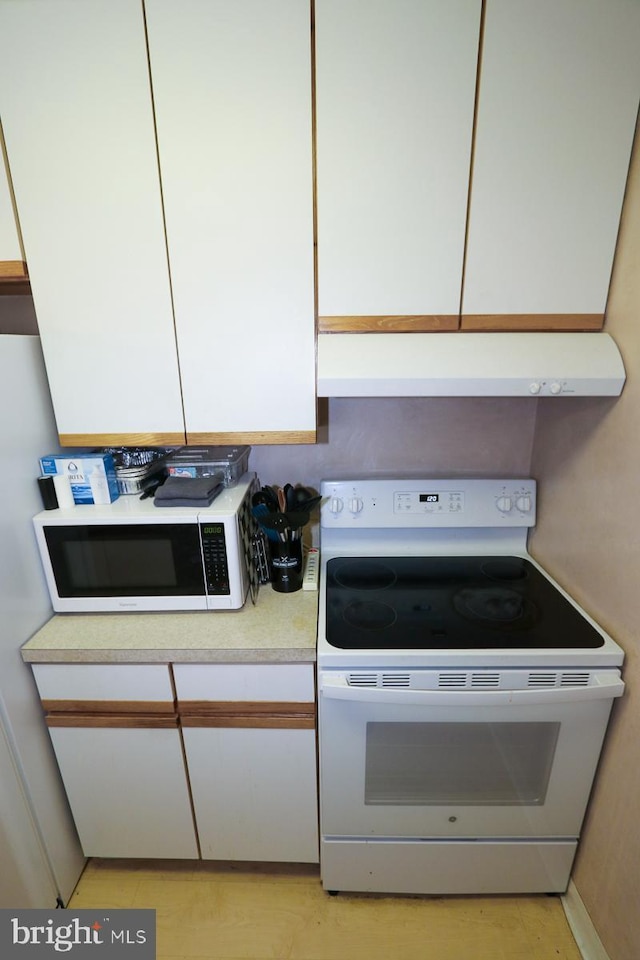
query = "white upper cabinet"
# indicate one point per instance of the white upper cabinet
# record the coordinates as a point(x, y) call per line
point(558, 98)
point(232, 89)
point(395, 89)
point(77, 115)
point(205, 330)
point(11, 258)
point(469, 169)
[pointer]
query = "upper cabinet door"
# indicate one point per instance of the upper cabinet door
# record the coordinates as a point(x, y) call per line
point(558, 100)
point(12, 264)
point(232, 88)
point(77, 115)
point(395, 89)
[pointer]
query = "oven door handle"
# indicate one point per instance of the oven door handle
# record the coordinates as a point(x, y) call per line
point(603, 686)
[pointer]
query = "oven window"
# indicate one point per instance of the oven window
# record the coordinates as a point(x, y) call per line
point(482, 764)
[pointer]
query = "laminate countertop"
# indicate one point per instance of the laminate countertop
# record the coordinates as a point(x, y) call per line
point(279, 628)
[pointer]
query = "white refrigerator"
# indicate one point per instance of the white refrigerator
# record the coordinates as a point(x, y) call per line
point(40, 855)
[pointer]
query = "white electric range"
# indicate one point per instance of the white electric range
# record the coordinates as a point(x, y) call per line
point(463, 695)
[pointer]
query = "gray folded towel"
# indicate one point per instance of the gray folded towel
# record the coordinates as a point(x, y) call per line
point(188, 491)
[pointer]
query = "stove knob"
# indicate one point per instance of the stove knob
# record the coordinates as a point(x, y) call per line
point(555, 388)
point(504, 504)
point(523, 503)
point(355, 505)
point(335, 505)
point(534, 387)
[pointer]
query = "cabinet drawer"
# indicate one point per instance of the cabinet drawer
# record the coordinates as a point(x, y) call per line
point(252, 682)
point(124, 688)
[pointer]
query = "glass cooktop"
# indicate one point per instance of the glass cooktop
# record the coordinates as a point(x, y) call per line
point(449, 603)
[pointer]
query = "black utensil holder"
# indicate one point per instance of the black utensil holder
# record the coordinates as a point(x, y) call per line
point(286, 565)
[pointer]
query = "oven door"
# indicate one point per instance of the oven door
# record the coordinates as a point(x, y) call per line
point(427, 764)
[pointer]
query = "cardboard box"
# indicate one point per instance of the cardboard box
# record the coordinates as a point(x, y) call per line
point(92, 477)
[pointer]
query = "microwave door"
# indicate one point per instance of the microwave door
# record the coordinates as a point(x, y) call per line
point(126, 566)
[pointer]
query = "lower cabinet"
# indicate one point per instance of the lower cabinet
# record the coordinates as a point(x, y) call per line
point(250, 742)
point(254, 793)
point(218, 761)
point(115, 733)
point(127, 789)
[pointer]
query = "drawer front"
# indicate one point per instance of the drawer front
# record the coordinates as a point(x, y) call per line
point(118, 683)
point(251, 682)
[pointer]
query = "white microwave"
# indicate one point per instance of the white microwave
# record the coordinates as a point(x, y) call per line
point(131, 555)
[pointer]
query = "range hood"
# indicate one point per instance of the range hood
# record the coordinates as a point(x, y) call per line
point(469, 365)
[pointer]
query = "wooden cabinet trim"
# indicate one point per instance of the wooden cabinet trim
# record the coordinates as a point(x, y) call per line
point(152, 707)
point(180, 439)
point(256, 707)
point(122, 439)
point(418, 323)
point(145, 714)
point(251, 438)
point(522, 322)
point(515, 322)
point(13, 269)
point(243, 713)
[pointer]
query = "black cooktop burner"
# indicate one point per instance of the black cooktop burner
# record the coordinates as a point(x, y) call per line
point(452, 603)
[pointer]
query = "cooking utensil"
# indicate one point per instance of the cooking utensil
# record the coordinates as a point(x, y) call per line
point(261, 498)
point(150, 488)
point(261, 512)
point(272, 494)
point(277, 522)
point(297, 520)
point(290, 496)
point(309, 504)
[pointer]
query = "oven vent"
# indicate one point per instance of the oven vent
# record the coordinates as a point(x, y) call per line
point(551, 678)
point(363, 679)
point(468, 681)
point(480, 680)
point(380, 680)
point(395, 680)
point(452, 680)
point(574, 680)
point(542, 680)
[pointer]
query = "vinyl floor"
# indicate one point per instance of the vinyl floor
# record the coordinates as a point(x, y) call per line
point(232, 911)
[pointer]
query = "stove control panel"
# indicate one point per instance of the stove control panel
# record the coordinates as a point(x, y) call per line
point(404, 502)
point(417, 502)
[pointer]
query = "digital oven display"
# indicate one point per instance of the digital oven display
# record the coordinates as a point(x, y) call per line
point(429, 498)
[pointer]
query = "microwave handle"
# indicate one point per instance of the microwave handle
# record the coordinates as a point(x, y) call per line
point(604, 686)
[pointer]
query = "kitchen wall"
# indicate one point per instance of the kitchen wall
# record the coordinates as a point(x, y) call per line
point(418, 435)
point(586, 456)
point(17, 315)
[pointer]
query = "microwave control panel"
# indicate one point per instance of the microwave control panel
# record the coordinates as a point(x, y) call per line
point(214, 552)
